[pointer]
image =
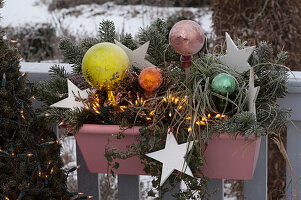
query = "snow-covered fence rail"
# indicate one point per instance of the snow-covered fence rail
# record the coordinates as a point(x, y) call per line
point(128, 185)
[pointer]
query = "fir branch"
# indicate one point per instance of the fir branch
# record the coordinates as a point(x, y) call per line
point(58, 71)
point(282, 57)
point(273, 118)
point(49, 91)
point(106, 31)
point(159, 49)
point(128, 41)
point(73, 53)
point(87, 43)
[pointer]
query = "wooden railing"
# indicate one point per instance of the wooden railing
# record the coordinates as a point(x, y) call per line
point(255, 189)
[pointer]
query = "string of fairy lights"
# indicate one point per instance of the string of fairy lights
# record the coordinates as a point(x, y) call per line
point(45, 172)
point(140, 102)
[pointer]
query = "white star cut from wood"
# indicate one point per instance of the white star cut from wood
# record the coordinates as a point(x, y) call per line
point(172, 157)
point(252, 93)
point(137, 56)
point(236, 59)
point(70, 101)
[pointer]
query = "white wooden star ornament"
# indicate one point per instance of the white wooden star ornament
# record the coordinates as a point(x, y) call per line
point(236, 59)
point(137, 56)
point(172, 157)
point(252, 93)
point(70, 102)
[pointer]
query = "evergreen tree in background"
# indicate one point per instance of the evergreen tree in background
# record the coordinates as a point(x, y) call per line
point(30, 163)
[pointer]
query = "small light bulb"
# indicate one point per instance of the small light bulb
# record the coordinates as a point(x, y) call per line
point(177, 100)
point(217, 116)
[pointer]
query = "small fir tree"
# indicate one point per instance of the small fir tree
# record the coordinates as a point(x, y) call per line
point(30, 163)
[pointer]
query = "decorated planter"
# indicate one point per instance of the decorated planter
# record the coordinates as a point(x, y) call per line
point(231, 158)
point(226, 157)
point(92, 140)
point(115, 83)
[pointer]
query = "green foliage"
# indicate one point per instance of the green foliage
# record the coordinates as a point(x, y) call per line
point(73, 53)
point(28, 147)
point(87, 43)
point(159, 49)
point(128, 41)
point(50, 91)
point(243, 123)
point(106, 31)
point(58, 71)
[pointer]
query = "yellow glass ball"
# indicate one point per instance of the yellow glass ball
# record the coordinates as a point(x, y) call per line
point(104, 65)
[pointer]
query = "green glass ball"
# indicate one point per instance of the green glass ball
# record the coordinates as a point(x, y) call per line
point(223, 84)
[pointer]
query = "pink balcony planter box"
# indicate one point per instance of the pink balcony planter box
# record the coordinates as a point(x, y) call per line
point(92, 141)
point(226, 157)
point(229, 158)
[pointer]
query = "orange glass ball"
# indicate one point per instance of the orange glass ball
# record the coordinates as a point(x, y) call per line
point(150, 79)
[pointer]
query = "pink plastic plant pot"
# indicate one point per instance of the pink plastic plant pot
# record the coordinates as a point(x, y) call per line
point(231, 158)
point(226, 157)
point(92, 140)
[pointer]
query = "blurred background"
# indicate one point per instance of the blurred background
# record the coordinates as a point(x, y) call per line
point(36, 26)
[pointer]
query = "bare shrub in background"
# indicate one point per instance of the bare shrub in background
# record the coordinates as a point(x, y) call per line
point(40, 42)
point(275, 21)
point(59, 4)
point(108, 187)
point(35, 42)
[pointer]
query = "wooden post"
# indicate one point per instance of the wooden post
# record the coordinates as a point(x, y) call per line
point(88, 183)
point(292, 101)
point(128, 187)
point(294, 153)
point(216, 187)
point(257, 187)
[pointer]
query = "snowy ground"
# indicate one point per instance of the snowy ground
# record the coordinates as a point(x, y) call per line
point(83, 20)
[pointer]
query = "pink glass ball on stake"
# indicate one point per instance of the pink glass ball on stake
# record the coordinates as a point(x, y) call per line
point(187, 38)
